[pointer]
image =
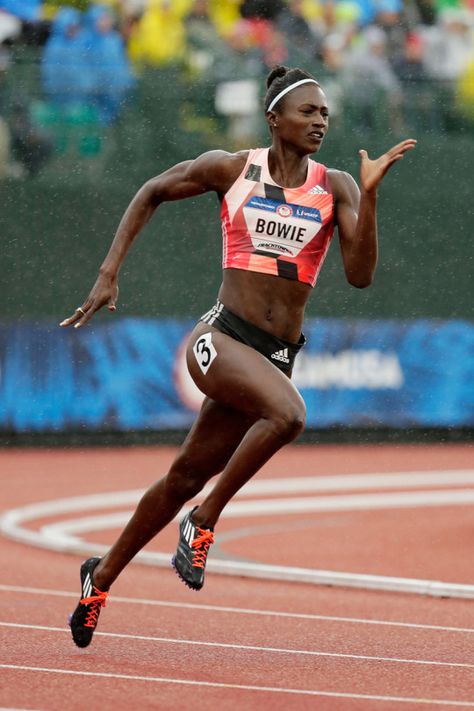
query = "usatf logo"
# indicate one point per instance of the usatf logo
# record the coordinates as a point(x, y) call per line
point(284, 210)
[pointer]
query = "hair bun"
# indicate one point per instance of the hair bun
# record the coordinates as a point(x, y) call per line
point(276, 73)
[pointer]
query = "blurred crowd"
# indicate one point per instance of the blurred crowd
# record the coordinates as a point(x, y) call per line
point(411, 59)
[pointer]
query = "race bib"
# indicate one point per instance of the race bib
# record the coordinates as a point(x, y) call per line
point(204, 351)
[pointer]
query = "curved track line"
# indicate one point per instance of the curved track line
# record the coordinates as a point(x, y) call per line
point(268, 507)
point(58, 536)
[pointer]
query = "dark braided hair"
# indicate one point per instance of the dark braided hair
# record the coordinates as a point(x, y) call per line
point(280, 78)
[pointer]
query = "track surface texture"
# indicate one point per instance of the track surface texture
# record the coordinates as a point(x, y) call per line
point(247, 643)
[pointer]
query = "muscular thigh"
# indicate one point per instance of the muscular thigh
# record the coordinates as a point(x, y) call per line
point(237, 376)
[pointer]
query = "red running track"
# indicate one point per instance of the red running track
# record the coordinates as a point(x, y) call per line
point(242, 643)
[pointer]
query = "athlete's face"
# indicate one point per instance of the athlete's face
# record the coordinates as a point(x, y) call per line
point(302, 119)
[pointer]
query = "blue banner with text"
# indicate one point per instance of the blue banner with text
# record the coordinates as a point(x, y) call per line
point(131, 374)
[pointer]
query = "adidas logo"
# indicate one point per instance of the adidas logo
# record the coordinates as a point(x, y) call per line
point(317, 190)
point(188, 532)
point(87, 586)
point(210, 316)
point(281, 355)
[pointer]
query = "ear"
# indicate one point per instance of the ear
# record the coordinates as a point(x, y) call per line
point(272, 119)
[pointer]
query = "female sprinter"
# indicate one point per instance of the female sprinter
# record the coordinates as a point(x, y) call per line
point(278, 211)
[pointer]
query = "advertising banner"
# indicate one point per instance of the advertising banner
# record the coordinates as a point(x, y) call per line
point(131, 374)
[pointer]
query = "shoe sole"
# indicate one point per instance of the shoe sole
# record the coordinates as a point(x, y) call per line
point(186, 582)
point(82, 644)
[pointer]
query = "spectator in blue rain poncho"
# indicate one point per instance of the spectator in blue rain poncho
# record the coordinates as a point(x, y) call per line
point(33, 27)
point(29, 10)
point(108, 65)
point(63, 70)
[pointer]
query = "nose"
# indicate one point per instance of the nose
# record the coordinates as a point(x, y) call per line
point(319, 119)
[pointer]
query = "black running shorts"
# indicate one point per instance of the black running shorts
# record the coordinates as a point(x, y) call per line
point(279, 352)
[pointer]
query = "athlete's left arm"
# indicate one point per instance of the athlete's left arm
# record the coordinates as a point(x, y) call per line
point(355, 212)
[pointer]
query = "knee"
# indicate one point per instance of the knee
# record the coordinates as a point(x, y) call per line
point(290, 422)
point(183, 485)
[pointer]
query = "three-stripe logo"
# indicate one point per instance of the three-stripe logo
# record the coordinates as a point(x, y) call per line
point(213, 313)
point(87, 586)
point(188, 532)
point(281, 355)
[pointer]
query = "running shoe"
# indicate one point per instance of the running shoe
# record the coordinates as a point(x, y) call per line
point(83, 620)
point(191, 555)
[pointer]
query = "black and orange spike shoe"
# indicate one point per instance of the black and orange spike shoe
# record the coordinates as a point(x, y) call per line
point(191, 555)
point(83, 620)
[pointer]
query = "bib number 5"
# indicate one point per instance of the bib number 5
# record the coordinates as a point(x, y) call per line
point(204, 351)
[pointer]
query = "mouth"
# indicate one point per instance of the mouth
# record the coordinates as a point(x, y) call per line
point(316, 135)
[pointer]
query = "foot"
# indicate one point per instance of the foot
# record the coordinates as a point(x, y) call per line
point(83, 620)
point(191, 556)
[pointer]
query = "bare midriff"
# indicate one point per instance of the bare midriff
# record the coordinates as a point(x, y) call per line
point(272, 303)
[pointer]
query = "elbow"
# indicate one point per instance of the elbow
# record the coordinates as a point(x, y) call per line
point(360, 282)
point(151, 193)
point(361, 276)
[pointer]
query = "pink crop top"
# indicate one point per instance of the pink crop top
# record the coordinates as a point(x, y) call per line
point(275, 230)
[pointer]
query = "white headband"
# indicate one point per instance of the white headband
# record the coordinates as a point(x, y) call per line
point(289, 88)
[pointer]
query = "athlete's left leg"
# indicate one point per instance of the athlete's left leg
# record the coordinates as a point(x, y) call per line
point(206, 450)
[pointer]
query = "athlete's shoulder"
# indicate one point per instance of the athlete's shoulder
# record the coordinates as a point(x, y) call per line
point(220, 168)
point(223, 160)
point(339, 176)
point(342, 183)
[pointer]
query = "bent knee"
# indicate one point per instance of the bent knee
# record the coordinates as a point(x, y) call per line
point(185, 482)
point(290, 422)
point(184, 485)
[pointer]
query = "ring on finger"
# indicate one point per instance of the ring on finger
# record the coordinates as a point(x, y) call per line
point(81, 310)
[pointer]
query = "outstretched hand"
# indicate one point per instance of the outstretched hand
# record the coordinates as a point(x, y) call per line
point(372, 171)
point(104, 293)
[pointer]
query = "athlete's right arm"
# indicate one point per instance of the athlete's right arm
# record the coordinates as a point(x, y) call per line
point(212, 171)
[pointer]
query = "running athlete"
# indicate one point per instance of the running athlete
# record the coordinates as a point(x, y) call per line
point(278, 209)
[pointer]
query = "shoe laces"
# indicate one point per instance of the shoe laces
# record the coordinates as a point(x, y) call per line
point(96, 602)
point(202, 543)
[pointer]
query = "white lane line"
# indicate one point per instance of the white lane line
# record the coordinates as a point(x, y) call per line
point(248, 647)
point(242, 687)
point(353, 482)
point(349, 502)
point(10, 519)
point(335, 482)
point(57, 539)
point(238, 610)
point(59, 536)
point(61, 530)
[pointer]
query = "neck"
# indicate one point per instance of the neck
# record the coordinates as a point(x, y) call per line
point(287, 167)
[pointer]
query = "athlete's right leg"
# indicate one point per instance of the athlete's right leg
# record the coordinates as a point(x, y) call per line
point(242, 378)
point(205, 452)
